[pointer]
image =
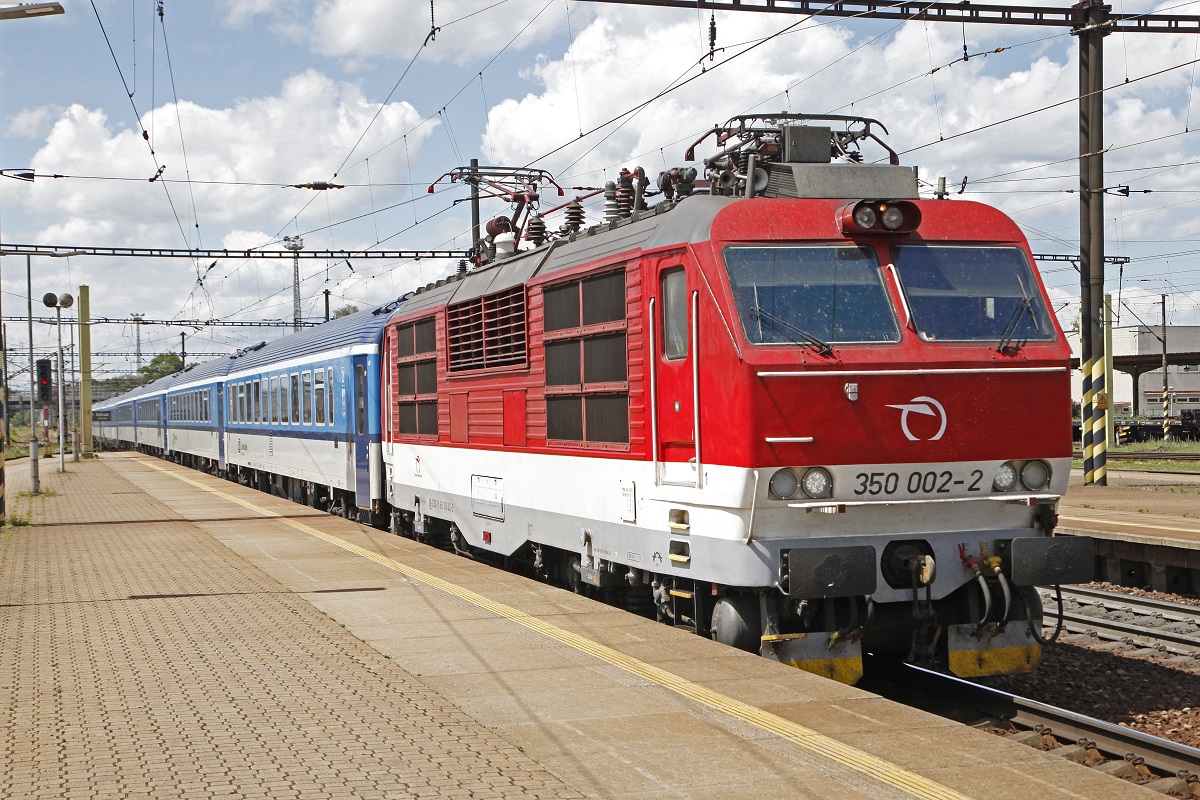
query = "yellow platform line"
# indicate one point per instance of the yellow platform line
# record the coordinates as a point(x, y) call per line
point(850, 757)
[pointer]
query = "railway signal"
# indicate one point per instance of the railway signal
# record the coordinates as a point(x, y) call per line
point(45, 380)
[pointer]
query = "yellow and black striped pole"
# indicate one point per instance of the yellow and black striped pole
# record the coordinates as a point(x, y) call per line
point(1166, 423)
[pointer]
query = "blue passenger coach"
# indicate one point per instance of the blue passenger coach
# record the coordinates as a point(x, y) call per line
point(301, 414)
point(298, 416)
point(194, 416)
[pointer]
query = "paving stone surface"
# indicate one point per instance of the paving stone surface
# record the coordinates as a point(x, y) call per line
point(144, 659)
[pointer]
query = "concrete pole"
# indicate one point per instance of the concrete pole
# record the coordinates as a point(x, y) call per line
point(1166, 398)
point(62, 391)
point(35, 486)
point(74, 415)
point(1110, 411)
point(85, 369)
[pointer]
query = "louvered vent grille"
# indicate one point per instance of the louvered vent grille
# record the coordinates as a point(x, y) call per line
point(487, 331)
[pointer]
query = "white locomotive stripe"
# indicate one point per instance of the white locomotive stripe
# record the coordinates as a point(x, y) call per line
point(963, 371)
point(840, 752)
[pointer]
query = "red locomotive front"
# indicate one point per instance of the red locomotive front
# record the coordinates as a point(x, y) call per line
point(806, 413)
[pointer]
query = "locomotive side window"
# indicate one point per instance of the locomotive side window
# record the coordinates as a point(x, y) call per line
point(416, 378)
point(587, 360)
point(968, 293)
point(795, 295)
point(675, 314)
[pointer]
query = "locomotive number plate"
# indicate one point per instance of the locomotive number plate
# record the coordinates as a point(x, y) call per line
point(927, 482)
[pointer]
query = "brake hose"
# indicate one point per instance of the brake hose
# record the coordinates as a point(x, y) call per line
point(1034, 629)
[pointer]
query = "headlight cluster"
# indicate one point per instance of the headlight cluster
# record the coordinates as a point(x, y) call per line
point(1032, 476)
point(815, 482)
point(880, 216)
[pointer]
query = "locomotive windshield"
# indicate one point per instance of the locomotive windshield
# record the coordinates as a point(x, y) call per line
point(964, 293)
point(810, 296)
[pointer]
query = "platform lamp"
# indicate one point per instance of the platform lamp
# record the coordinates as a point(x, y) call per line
point(58, 302)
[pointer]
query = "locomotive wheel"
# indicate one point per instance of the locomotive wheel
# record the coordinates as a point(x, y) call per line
point(736, 621)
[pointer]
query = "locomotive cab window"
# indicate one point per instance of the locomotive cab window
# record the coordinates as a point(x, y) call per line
point(416, 379)
point(674, 314)
point(968, 293)
point(793, 295)
point(587, 358)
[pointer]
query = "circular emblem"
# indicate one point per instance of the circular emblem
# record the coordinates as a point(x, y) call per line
point(926, 406)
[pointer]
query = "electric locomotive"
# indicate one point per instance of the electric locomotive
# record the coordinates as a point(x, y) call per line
point(792, 406)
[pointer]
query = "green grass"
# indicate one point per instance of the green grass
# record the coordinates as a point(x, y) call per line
point(1157, 447)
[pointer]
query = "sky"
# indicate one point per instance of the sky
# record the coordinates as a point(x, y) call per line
point(236, 100)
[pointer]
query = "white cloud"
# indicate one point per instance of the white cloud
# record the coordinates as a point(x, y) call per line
point(33, 123)
point(361, 29)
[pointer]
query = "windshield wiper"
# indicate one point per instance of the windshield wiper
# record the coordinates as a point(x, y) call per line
point(1010, 330)
point(806, 339)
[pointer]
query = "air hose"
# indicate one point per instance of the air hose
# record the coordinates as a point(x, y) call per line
point(1034, 628)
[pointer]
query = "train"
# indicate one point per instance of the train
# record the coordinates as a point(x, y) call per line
point(775, 398)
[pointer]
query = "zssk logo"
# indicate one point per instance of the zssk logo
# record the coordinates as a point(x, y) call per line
point(925, 406)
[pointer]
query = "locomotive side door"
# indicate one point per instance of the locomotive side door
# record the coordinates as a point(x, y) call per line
point(674, 379)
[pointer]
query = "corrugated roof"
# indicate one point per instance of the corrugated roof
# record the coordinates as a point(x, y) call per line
point(363, 327)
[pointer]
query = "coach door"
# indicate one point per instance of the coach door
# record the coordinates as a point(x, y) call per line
point(219, 416)
point(358, 422)
point(673, 378)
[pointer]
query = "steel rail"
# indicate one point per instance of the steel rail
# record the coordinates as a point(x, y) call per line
point(1116, 742)
point(1179, 612)
point(1116, 630)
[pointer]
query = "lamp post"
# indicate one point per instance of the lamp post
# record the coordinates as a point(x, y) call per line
point(26, 11)
point(58, 302)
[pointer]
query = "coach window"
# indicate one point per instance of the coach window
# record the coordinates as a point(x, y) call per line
point(241, 410)
point(360, 399)
point(306, 394)
point(319, 395)
point(283, 399)
point(587, 382)
point(232, 403)
point(329, 383)
point(295, 398)
point(275, 399)
point(207, 405)
point(416, 379)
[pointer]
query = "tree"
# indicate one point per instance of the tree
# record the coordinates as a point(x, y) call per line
point(345, 311)
point(160, 366)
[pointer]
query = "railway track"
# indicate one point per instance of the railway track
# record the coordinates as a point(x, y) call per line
point(1164, 629)
point(1160, 764)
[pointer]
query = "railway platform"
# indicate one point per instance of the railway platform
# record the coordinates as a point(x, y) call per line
point(164, 634)
point(1146, 526)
